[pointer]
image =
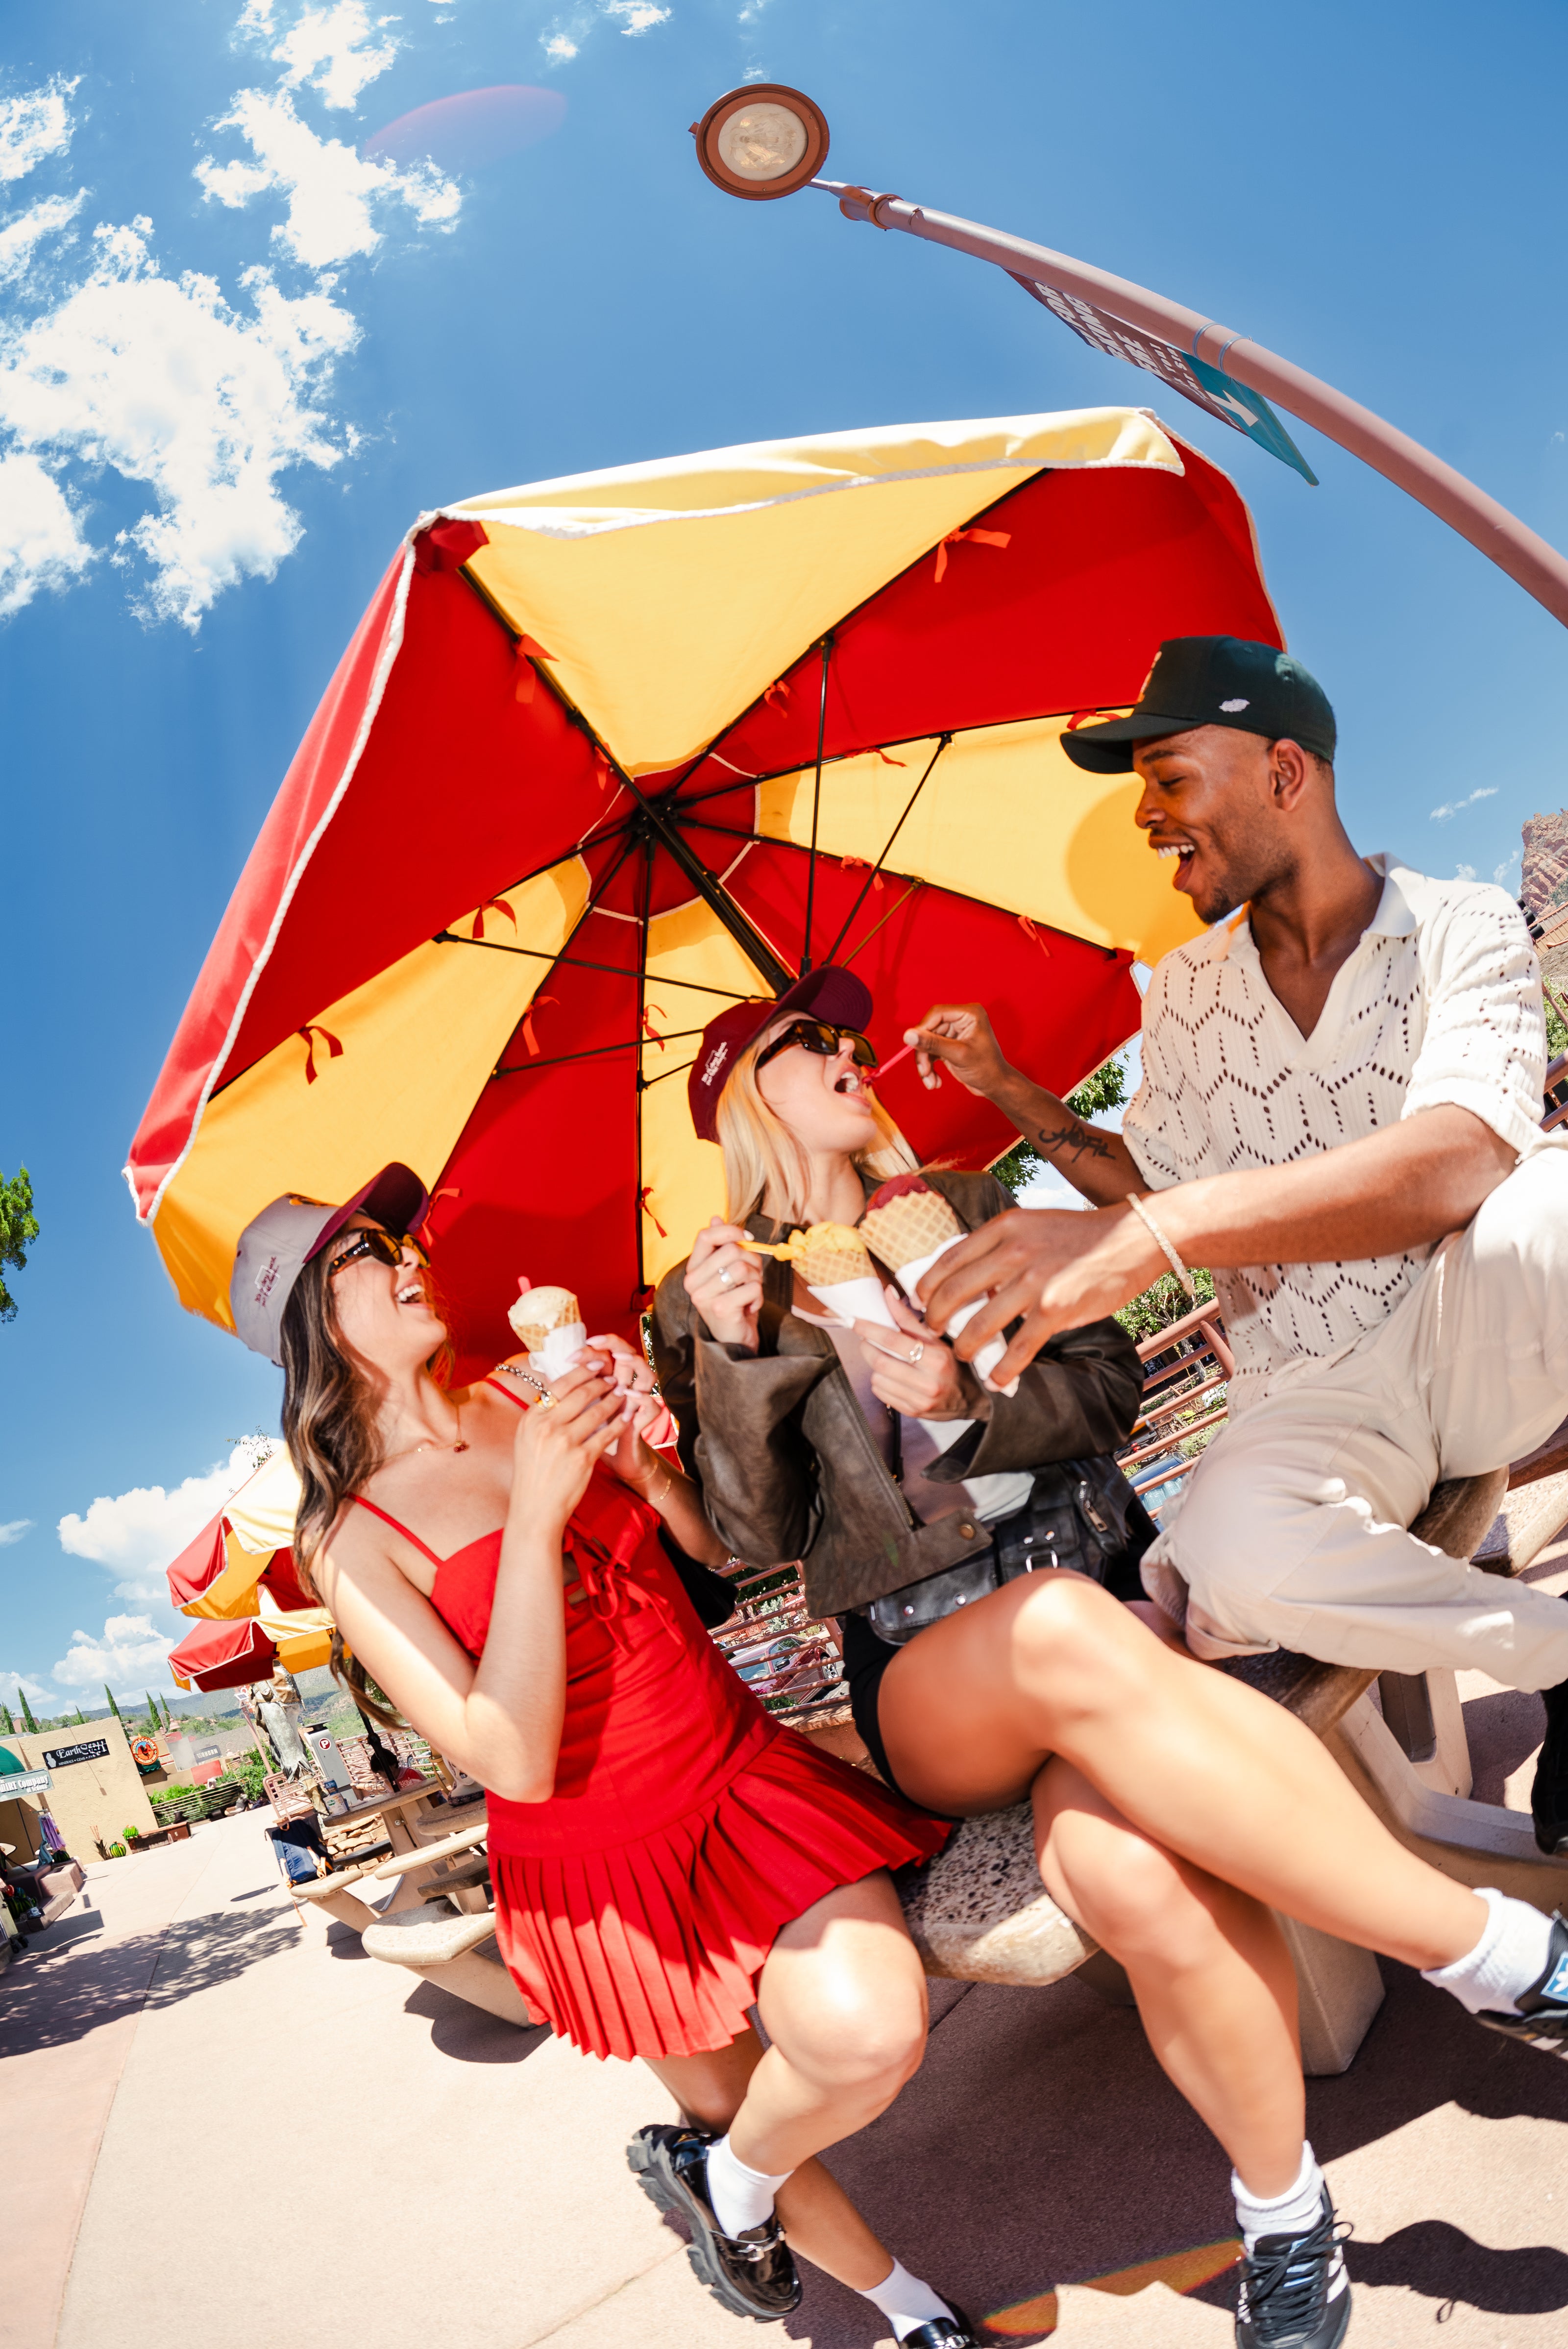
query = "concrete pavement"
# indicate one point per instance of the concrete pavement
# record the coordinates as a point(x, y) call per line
point(362, 2152)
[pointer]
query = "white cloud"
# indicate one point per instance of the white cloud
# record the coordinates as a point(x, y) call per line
point(36, 1690)
point(1452, 807)
point(161, 379)
point(126, 1653)
point(140, 1533)
point(13, 1531)
point(41, 544)
point(565, 36)
point(1501, 872)
point(20, 237)
point(331, 190)
point(37, 124)
point(1464, 872)
point(334, 49)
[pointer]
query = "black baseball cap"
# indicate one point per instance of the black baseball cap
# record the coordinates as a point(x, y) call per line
point(1213, 681)
point(831, 994)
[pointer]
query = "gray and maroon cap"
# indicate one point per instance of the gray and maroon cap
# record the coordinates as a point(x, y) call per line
point(831, 994)
point(276, 1246)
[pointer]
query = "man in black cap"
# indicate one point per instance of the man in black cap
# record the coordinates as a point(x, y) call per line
point(1340, 1115)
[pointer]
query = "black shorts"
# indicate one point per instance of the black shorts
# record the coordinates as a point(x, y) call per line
point(865, 1659)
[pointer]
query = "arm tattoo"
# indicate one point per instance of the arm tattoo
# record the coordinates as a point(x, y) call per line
point(1079, 1139)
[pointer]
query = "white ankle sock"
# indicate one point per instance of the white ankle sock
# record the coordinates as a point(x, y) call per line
point(1508, 1958)
point(742, 2198)
point(904, 2300)
point(1293, 2212)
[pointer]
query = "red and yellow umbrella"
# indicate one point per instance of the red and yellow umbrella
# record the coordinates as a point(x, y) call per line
point(237, 1578)
point(607, 752)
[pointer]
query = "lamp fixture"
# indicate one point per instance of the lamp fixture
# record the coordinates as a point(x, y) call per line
point(766, 140)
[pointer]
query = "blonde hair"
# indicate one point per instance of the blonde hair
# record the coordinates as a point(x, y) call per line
point(761, 1154)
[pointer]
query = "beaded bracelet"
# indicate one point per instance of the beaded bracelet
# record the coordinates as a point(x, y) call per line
point(1136, 1202)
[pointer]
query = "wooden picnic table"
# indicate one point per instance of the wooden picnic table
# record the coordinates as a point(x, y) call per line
point(394, 1812)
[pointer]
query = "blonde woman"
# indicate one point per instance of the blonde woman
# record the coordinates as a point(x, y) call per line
point(1175, 1808)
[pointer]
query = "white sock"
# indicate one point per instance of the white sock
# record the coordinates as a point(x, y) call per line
point(1293, 2212)
point(741, 2198)
point(1508, 1958)
point(904, 2300)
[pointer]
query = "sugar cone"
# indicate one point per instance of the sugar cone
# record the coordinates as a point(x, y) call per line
point(909, 1227)
point(538, 1311)
point(830, 1253)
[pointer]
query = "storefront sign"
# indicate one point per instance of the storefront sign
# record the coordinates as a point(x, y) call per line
point(209, 1753)
point(23, 1782)
point(95, 1749)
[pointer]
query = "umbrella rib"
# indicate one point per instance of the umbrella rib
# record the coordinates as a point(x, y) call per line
point(815, 803)
point(887, 917)
point(591, 1052)
point(892, 836)
point(640, 1087)
point(576, 962)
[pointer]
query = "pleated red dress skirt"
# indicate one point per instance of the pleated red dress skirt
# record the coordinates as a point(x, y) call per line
point(635, 1908)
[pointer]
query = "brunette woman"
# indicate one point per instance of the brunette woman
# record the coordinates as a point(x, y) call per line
point(1174, 1807)
point(664, 1855)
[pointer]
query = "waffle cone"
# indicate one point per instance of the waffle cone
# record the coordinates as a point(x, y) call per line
point(828, 1253)
point(538, 1311)
point(909, 1227)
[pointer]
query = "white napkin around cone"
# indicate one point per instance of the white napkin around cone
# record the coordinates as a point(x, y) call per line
point(560, 1350)
point(911, 1277)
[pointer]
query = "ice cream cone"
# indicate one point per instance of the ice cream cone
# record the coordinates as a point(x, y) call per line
point(913, 1224)
point(538, 1311)
point(830, 1253)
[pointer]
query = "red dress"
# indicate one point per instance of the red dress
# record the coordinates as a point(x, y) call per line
point(635, 1908)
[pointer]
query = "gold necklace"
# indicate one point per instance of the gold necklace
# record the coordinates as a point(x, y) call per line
point(429, 1444)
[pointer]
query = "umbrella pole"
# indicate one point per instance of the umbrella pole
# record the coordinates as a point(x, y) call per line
point(815, 805)
point(1527, 558)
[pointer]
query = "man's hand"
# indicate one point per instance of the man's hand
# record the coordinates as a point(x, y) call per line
point(961, 1036)
point(1053, 1267)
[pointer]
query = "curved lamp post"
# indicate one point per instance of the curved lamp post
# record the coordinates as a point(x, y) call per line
point(768, 139)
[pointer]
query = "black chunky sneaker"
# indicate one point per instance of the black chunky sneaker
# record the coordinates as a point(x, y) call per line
point(955, 2330)
point(752, 2273)
point(1543, 2019)
point(1295, 2294)
point(1549, 1794)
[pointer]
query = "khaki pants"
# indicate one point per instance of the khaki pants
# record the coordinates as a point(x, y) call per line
point(1291, 1534)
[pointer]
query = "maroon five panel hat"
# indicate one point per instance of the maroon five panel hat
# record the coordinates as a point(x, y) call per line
point(1212, 681)
point(276, 1246)
point(831, 994)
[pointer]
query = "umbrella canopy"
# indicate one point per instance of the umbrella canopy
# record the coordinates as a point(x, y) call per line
point(238, 1579)
point(609, 752)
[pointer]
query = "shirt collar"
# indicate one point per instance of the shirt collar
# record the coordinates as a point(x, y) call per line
point(1231, 940)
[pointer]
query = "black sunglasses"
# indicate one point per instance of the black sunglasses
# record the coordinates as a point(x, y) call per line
point(819, 1036)
point(384, 1247)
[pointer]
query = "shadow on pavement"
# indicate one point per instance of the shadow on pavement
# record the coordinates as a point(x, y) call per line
point(1449, 2265)
point(467, 2033)
point(51, 2005)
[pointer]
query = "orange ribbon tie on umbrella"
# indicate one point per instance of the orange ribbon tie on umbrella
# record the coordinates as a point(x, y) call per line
point(643, 1196)
point(524, 675)
point(649, 1030)
point(980, 538)
point(492, 905)
point(528, 1035)
point(1029, 930)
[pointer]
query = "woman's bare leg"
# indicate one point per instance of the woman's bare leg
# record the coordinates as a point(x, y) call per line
point(1214, 1982)
point(971, 1710)
point(842, 1999)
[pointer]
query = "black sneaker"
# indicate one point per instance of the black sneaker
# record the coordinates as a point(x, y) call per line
point(752, 2273)
point(955, 2330)
point(1544, 2023)
point(1549, 1794)
point(1295, 2294)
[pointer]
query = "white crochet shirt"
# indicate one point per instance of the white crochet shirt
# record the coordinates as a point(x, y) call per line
point(1439, 1002)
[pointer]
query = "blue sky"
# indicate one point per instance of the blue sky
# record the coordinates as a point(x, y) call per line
point(240, 355)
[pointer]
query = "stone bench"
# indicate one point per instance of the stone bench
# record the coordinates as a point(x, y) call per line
point(979, 1912)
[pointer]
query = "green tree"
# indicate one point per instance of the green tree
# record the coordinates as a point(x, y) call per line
point(168, 1716)
point(19, 1230)
point(27, 1720)
point(112, 1706)
point(81, 1718)
point(5, 1717)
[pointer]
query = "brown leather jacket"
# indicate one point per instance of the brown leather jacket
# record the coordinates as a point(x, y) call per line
point(789, 1468)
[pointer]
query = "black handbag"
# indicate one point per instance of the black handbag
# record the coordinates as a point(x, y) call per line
point(1081, 1513)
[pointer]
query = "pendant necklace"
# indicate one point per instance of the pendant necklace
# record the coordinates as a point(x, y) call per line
point(430, 1444)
